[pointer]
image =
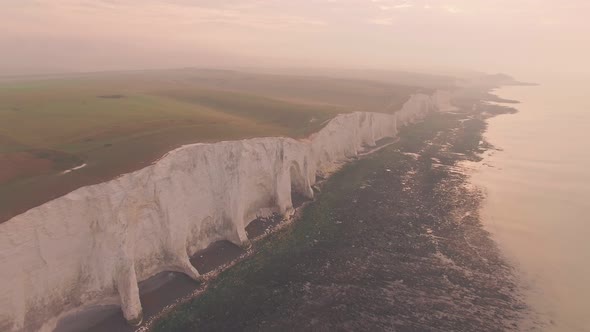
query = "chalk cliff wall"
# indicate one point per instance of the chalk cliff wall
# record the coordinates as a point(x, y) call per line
point(93, 245)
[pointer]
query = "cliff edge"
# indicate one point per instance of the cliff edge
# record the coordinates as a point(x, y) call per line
point(93, 245)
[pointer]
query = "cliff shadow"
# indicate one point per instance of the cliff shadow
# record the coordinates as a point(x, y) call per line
point(157, 292)
point(300, 189)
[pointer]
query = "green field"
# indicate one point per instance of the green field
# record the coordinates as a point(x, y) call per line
point(120, 122)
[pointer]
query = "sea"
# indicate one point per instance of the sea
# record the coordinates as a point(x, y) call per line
point(537, 203)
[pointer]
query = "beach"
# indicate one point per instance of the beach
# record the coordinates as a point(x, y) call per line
point(393, 241)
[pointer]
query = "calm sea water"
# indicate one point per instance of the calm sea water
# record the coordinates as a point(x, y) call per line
point(538, 197)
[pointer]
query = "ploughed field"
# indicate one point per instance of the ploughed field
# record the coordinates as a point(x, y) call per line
point(58, 134)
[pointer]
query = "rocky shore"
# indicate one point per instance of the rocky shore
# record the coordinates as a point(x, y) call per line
point(393, 242)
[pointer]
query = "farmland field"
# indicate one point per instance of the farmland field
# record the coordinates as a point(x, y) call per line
point(113, 123)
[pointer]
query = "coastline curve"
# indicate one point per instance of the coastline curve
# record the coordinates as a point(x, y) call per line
point(93, 245)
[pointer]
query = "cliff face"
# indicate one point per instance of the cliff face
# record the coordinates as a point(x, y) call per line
point(93, 245)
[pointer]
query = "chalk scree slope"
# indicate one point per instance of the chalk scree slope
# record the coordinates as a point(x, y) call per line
point(93, 245)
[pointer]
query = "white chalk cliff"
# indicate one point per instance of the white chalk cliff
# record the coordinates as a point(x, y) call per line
point(93, 245)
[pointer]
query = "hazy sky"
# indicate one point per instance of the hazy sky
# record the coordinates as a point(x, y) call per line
point(493, 35)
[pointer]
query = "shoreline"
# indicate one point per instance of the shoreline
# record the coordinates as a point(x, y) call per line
point(116, 321)
point(183, 288)
point(211, 175)
point(510, 310)
point(535, 196)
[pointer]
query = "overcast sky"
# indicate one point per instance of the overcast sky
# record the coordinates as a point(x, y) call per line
point(514, 36)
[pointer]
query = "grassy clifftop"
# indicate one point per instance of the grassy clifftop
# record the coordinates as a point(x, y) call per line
point(119, 122)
